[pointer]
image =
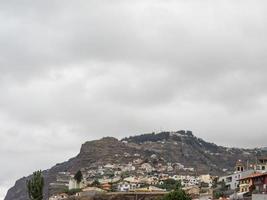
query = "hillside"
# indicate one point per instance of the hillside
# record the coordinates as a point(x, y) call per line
point(168, 147)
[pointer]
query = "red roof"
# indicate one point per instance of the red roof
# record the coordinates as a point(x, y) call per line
point(263, 158)
point(105, 185)
point(254, 175)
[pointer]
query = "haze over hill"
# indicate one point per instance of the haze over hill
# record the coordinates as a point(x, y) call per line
point(169, 147)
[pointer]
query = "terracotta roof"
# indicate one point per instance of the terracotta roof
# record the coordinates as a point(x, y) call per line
point(262, 158)
point(106, 184)
point(254, 175)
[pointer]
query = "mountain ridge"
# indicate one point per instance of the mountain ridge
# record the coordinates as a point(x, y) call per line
point(175, 147)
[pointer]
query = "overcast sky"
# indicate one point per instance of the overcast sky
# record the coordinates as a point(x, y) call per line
point(77, 71)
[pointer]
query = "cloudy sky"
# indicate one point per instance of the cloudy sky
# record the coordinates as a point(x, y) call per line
point(80, 70)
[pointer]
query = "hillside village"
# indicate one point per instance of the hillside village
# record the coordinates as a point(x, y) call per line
point(153, 164)
point(142, 176)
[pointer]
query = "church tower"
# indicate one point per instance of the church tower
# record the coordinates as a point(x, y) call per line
point(239, 167)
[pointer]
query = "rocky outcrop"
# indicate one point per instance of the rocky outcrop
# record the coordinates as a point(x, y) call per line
point(180, 146)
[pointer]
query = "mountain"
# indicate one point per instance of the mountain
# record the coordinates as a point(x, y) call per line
point(169, 147)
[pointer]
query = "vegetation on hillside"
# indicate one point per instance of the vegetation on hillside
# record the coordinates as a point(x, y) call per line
point(177, 194)
point(72, 191)
point(78, 176)
point(35, 186)
point(170, 184)
point(148, 137)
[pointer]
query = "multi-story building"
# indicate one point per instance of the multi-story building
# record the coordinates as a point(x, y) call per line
point(260, 183)
point(261, 164)
point(232, 180)
point(255, 182)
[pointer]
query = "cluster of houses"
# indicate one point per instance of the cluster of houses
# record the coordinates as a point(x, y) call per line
point(140, 176)
point(136, 176)
point(247, 180)
point(151, 183)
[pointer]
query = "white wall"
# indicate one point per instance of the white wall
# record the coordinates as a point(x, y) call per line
point(259, 196)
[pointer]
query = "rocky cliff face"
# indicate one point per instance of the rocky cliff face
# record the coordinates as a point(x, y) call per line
point(180, 146)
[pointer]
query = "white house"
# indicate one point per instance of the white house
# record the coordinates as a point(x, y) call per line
point(169, 168)
point(131, 179)
point(109, 166)
point(147, 167)
point(126, 186)
point(232, 181)
point(59, 197)
point(74, 185)
point(137, 161)
point(206, 178)
point(153, 156)
point(261, 164)
point(150, 180)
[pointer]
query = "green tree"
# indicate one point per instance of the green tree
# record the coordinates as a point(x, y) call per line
point(217, 194)
point(35, 186)
point(78, 176)
point(177, 194)
point(95, 183)
point(110, 174)
point(220, 190)
point(125, 175)
point(170, 184)
point(178, 185)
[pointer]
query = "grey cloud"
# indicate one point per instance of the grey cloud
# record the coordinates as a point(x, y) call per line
point(80, 70)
